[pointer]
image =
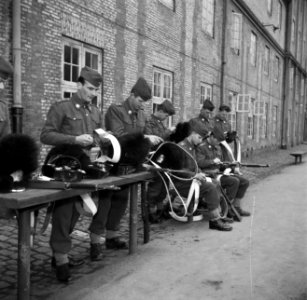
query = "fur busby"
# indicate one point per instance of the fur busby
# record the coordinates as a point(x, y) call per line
point(231, 136)
point(18, 152)
point(181, 131)
point(134, 147)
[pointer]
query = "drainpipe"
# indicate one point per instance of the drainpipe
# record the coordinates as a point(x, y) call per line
point(17, 109)
point(223, 62)
point(285, 85)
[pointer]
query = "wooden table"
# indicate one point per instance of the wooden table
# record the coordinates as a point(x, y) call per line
point(32, 199)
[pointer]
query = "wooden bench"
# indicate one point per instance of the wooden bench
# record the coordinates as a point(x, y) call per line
point(34, 198)
point(298, 156)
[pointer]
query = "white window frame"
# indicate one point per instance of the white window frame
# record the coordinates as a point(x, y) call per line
point(208, 16)
point(259, 108)
point(71, 86)
point(236, 33)
point(253, 49)
point(243, 103)
point(232, 100)
point(205, 92)
point(158, 89)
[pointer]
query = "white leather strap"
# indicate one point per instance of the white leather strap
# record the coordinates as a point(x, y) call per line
point(115, 144)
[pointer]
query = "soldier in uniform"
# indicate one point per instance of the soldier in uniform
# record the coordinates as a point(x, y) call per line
point(72, 122)
point(123, 118)
point(208, 190)
point(209, 159)
point(204, 121)
point(156, 190)
point(5, 71)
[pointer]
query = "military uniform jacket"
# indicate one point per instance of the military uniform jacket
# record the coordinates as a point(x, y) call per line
point(156, 127)
point(4, 120)
point(187, 164)
point(222, 123)
point(68, 119)
point(205, 154)
point(120, 119)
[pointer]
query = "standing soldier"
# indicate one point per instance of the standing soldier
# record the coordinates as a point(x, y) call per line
point(123, 118)
point(156, 191)
point(5, 71)
point(72, 122)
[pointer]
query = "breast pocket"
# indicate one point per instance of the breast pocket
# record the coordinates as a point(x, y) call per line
point(73, 124)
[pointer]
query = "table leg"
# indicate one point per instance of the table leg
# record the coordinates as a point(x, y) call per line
point(133, 218)
point(24, 251)
point(144, 204)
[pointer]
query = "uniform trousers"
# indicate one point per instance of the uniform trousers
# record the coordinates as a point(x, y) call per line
point(235, 186)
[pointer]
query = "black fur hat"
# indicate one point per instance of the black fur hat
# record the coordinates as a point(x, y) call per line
point(18, 152)
point(181, 131)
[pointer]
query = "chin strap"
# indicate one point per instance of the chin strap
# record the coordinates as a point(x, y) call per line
point(193, 193)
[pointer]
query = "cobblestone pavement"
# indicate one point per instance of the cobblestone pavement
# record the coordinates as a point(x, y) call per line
point(43, 281)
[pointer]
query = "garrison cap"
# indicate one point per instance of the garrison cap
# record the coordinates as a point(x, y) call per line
point(142, 89)
point(5, 67)
point(224, 107)
point(208, 105)
point(218, 134)
point(198, 128)
point(167, 106)
point(91, 76)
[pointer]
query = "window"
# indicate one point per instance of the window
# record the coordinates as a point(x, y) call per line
point(276, 68)
point(253, 49)
point(291, 74)
point(162, 87)
point(302, 87)
point(168, 3)
point(205, 92)
point(74, 57)
point(208, 16)
point(289, 123)
point(236, 30)
point(266, 60)
point(269, 7)
point(293, 31)
point(279, 14)
point(232, 100)
point(243, 103)
point(265, 119)
point(274, 123)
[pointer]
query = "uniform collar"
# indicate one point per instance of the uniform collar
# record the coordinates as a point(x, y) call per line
point(78, 102)
point(220, 117)
point(128, 108)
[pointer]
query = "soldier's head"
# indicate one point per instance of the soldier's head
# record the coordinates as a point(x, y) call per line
point(207, 108)
point(165, 110)
point(6, 70)
point(140, 93)
point(88, 84)
point(215, 136)
point(224, 110)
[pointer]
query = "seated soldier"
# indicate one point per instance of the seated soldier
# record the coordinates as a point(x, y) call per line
point(209, 159)
point(156, 192)
point(208, 191)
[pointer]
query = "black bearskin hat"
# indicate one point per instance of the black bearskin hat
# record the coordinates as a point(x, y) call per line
point(181, 131)
point(18, 152)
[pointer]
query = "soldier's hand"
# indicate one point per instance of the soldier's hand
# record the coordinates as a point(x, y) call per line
point(217, 161)
point(154, 140)
point(84, 140)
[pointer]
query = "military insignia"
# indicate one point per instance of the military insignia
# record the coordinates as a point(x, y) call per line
point(129, 112)
point(78, 106)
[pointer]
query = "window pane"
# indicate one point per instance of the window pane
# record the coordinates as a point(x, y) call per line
point(67, 72)
point(157, 84)
point(75, 56)
point(67, 54)
point(75, 73)
point(88, 59)
point(95, 61)
point(66, 95)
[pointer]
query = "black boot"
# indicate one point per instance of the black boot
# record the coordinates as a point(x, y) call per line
point(63, 273)
point(116, 243)
point(242, 212)
point(96, 252)
point(219, 225)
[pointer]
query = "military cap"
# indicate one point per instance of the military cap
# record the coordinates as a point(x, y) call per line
point(142, 89)
point(91, 76)
point(224, 107)
point(208, 105)
point(5, 67)
point(198, 128)
point(218, 134)
point(168, 107)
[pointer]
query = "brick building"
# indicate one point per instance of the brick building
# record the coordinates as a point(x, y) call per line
point(249, 54)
